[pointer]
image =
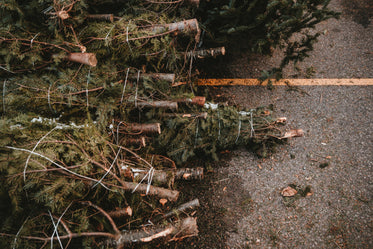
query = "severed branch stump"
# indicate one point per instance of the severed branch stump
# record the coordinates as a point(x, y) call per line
point(182, 229)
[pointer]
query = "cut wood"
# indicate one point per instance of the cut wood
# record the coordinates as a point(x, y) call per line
point(169, 77)
point(121, 212)
point(186, 26)
point(197, 100)
point(158, 104)
point(182, 229)
point(202, 115)
point(159, 177)
point(84, 58)
point(165, 177)
point(171, 195)
point(176, 212)
point(205, 53)
point(293, 133)
point(108, 17)
point(137, 141)
point(152, 128)
point(189, 173)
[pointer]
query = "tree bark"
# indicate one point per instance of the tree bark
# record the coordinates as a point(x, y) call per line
point(186, 26)
point(169, 77)
point(181, 229)
point(202, 115)
point(84, 58)
point(293, 133)
point(121, 212)
point(158, 104)
point(109, 17)
point(181, 209)
point(189, 173)
point(197, 100)
point(205, 53)
point(152, 128)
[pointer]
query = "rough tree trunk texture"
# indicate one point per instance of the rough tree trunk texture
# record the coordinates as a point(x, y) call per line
point(169, 77)
point(197, 100)
point(186, 26)
point(137, 141)
point(153, 128)
point(189, 173)
point(167, 177)
point(108, 17)
point(181, 209)
point(184, 228)
point(158, 104)
point(168, 194)
point(205, 53)
point(84, 58)
point(202, 115)
point(121, 212)
point(293, 133)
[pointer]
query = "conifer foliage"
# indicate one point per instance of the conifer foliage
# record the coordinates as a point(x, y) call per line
point(99, 114)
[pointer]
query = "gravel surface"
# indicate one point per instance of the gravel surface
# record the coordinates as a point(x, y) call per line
point(333, 159)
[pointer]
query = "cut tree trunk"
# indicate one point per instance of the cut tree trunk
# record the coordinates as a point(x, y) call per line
point(182, 229)
point(186, 26)
point(293, 133)
point(165, 177)
point(197, 100)
point(152, 128)
point(176, 212)
point(205, 53)
point(158, 104)
point(84, 58)
point(168, 194)
point(108, 17)
point(169, 77)
point(202, 115)
point(137, 141)
point(121, 212)
point(189, 173)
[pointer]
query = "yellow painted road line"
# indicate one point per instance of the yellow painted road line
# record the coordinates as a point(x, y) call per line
point(284, 82)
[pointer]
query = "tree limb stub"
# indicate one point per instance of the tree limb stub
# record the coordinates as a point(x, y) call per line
point(181, 229)
point(169, 77)
point(181, 209)
point(189, 173)
point(293, 133)
point(158, 104)
point(138, 141)
point(197, 100)
point(127, 211)
point(205, 53)
point(152, 128)
point(109, 17)
point(84, 58)
point(185, 26)
point(202, 115)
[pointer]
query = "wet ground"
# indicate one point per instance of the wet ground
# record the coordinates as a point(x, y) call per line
point(242, 206)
